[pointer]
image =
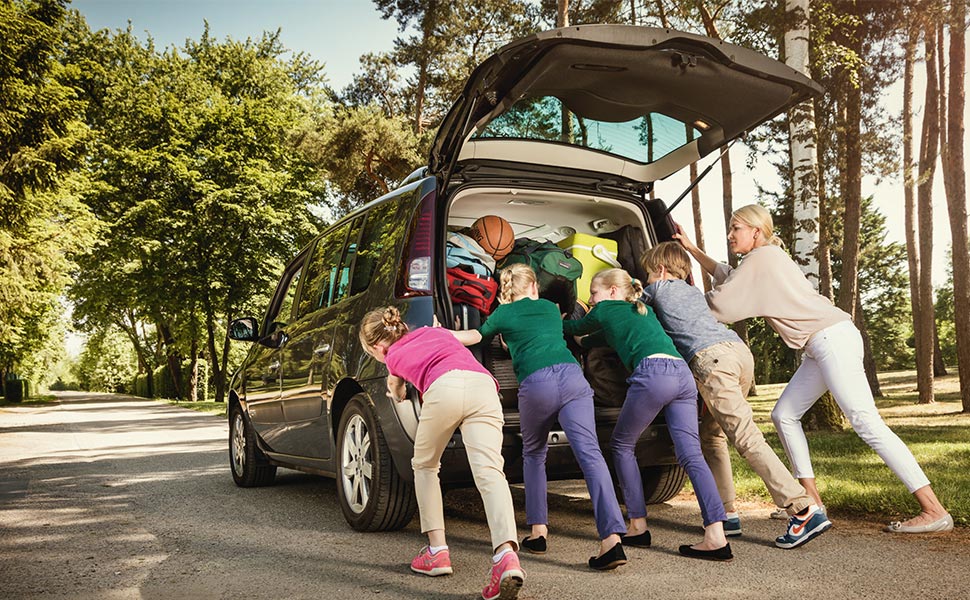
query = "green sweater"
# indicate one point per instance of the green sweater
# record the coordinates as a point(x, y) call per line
point(532, 329)
point(616, 323)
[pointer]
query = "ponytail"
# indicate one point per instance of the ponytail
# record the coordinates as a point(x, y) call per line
point(630, 289)
point(382, 325)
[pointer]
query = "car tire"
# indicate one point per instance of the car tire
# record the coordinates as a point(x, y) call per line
point(372, 495)
point(249, 466)
point(662, 482)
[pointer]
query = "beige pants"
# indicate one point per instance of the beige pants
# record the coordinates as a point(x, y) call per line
point(468, 401)
point(723, 373)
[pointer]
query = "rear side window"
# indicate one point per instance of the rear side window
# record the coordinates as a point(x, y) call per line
point(320, 285)
point(340, 275)
point(376, 239)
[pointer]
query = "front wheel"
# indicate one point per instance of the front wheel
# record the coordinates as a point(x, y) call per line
point(373, 497)
point(250, 467)
point(662, 482)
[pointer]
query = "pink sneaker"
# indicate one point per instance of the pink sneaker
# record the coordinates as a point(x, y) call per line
point(507, 577)
point(432, 564)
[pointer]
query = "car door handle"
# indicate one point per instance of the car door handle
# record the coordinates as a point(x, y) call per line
point(321, 349)
point(274, 366)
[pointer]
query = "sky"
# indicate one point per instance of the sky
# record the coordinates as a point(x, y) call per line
point(338, 32)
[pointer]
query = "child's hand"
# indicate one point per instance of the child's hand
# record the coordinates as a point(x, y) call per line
point(396, 389)
point(435, 322)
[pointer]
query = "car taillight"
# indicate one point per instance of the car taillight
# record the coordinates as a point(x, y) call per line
point(415, 276)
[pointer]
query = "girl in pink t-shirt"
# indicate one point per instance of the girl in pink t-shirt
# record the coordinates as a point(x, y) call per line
point(457, 393)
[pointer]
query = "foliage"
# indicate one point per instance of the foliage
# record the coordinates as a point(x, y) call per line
point(198, 177)
point(946, 316)
point(42, 223)
point(107, 363)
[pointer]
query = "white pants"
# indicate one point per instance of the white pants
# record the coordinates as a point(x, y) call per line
point(832, 360)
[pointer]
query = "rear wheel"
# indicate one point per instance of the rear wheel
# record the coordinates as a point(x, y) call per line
point(250, 467)
point(373, 497)
point(662, 482)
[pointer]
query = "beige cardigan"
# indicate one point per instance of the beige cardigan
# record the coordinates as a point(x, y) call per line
point(767, 283)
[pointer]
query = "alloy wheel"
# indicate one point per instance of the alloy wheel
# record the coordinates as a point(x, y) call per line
point(356, 464)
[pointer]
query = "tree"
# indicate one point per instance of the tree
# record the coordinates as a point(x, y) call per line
point(42, 224)
point(198, 174)
point(954, 179)
point(929, 147)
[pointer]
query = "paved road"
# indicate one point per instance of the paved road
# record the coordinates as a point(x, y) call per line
point(111, 497)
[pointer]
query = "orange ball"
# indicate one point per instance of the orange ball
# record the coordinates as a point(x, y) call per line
point(494, 235)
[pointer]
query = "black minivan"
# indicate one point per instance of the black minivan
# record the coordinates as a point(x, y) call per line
point(562, 131)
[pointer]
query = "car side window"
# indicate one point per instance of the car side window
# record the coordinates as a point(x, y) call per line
point(285, 311)
point(375, 238)
point(321, 267)
point(341, 273)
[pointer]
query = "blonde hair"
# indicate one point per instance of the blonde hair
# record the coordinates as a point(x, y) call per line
point(516, 279)
point(757, 216)
point(630, 288)
point(670, 255)
point(382, 325)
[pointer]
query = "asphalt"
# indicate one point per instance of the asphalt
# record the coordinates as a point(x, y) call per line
point(105, 496)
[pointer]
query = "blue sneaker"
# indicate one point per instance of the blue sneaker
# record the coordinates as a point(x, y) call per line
point(732, 527)
point(804, 529)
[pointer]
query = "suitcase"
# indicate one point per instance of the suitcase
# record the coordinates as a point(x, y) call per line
point(595, 253)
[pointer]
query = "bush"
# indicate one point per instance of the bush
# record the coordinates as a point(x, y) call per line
point(164, 386)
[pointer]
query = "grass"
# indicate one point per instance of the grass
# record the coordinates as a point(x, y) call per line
point(212, 408)
point(852, 479)
point(32, 401)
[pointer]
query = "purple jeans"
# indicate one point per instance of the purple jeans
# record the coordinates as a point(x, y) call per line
point(663, 384)
point(562, 391)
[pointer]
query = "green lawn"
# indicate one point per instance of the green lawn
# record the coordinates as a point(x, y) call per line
point(853, 479)
point(213, 408)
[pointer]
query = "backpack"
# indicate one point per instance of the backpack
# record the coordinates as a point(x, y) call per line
point(556, 270)
point(478, 291)
point(463, 251)
point(630, 246)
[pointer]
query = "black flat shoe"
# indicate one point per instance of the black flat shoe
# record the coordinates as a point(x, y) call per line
point(609, 560)
point(722, 554)
point(535, 545)
point(641, 540)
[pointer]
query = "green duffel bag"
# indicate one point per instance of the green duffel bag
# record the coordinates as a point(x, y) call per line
point(556, 270)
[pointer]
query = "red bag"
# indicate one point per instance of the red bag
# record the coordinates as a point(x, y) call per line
point(475, 290)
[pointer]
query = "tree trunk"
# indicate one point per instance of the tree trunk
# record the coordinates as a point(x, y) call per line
point(954, 178)
point(868, 362)
point(173, 357)
point(194, 372)
point(909, 195)
point(801, 139)
point(929, 144)
point(939, 368)
point(852, 220)
point(695, 200)
point(217, 369)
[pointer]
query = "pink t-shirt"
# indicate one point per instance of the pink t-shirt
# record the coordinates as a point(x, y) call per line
point(425, 354)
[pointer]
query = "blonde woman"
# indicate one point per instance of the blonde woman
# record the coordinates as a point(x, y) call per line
point(661, 381)
point(457, 393)
point(769, 284)
point(551, 387)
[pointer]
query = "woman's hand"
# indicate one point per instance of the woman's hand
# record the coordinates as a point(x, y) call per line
point(685, 241)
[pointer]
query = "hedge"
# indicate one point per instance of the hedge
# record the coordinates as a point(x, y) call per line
point(164, 387)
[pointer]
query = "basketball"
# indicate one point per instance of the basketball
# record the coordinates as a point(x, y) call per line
point(494, 235)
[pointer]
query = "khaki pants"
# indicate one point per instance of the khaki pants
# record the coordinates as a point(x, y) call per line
point(468, 401)
point(723, 373)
